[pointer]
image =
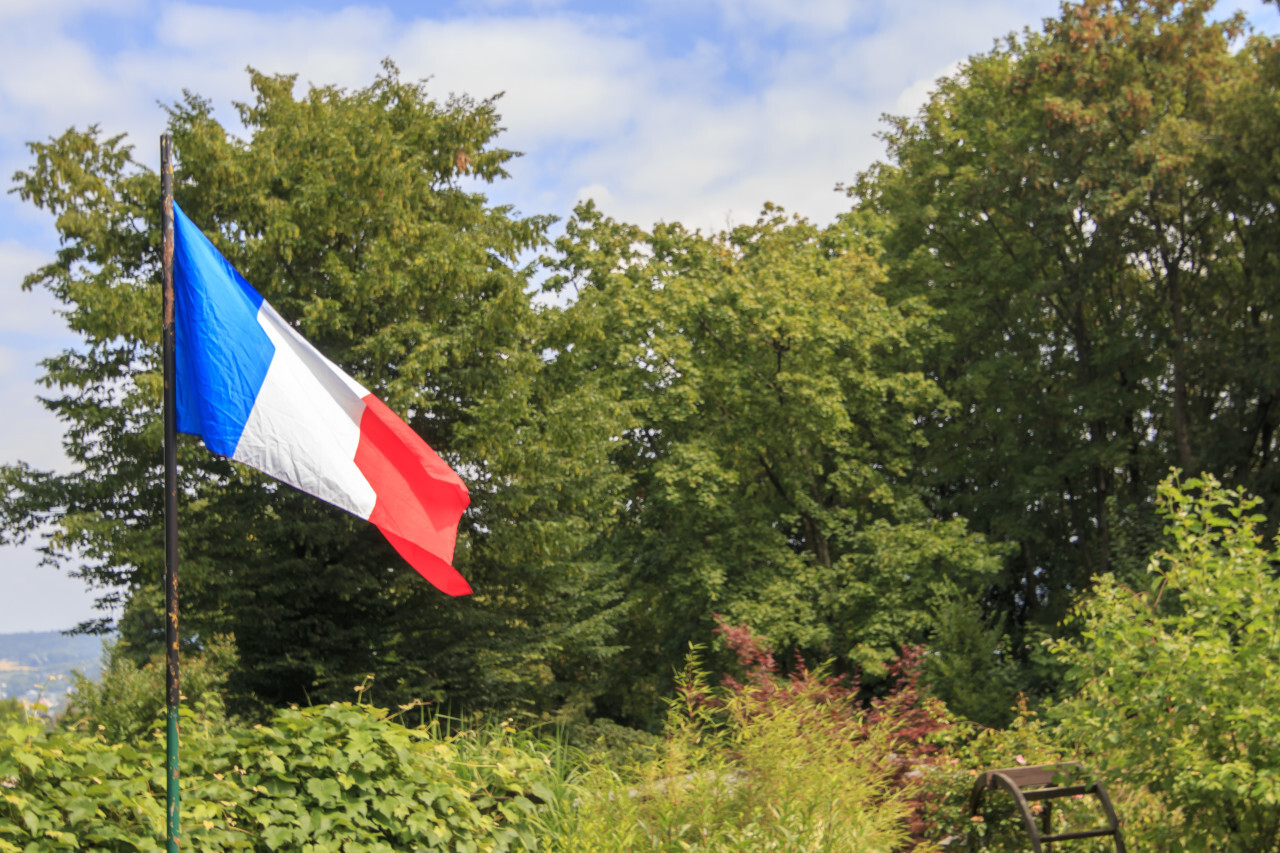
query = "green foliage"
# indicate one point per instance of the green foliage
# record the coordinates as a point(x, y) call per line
point(968, 750)
point(602, 741)
point(1063, 281)
point(356, 214)
point(970, 665)
point(12, 711)
point(742, 771)
point(1091, 234)
point(766, 413)
point(1176, 688)
point(328, 778)
point(127, 701)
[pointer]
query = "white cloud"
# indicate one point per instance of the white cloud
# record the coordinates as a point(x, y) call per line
point(31, 331)
point(26, 10)
point(565, 79)
point(598, 193)
point(322, 48)
point(39, 598)
point(28, 432)
point(915, 96)
point(826, 15)
point(504, 5)
point(592, 102)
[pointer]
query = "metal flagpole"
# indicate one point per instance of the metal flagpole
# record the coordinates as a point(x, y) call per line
point(170, 500)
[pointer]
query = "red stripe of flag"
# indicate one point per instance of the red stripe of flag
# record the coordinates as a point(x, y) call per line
point(420, 498)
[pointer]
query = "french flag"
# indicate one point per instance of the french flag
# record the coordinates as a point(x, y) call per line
point(254, 390)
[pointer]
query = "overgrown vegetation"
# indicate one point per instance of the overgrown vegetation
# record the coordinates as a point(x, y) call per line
point(931, 421)
point(331, 777)
point(1175, 683)
point(1171, 704)
point(128, 702)
point(779, 764)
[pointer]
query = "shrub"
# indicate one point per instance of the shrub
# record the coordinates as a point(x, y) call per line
point(965, 751)
point(741, 781)
point(127, 701)
point(329, 778)
point(766, 762)
point(1177, 688)
point(970, 664)
point(12, 711)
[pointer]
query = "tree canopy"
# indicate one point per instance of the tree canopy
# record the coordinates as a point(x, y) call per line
point(935, 420)
point(768, 401)
point(1072, 204)
point(354, 214)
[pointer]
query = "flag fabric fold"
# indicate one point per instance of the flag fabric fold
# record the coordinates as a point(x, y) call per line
point(256, 391)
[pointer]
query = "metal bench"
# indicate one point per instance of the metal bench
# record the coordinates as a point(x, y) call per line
point(1045, 783)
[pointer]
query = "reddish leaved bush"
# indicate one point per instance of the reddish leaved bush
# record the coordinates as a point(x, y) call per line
point(903, 720)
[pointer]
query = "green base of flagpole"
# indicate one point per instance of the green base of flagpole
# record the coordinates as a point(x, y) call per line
point(171, 774)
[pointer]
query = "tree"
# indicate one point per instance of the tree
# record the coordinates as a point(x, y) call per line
point(768, 402)
point(1242, 420)
point(1058, 202)
point(351, 213)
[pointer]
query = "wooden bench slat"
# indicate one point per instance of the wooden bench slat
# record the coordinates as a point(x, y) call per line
point(1083, 833)
point(1054, 793)
point(1037, 775)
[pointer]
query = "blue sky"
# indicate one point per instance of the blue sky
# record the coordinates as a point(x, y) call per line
point(691, 110)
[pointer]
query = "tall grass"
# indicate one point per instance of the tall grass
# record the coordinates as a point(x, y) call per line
point(738, 772)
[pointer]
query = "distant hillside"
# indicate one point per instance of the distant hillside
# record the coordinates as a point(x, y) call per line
point(38, 664)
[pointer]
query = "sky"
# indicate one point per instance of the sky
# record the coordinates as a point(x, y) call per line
point(697, 111)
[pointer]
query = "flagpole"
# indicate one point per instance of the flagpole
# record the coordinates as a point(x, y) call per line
point(172, 695)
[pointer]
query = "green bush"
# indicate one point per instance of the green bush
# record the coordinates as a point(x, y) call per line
point(331, 778)
point(967, 750)
point(970, 666)
point(127, 701)
point(12, 711)
point(745, 768)
point(1177, 688)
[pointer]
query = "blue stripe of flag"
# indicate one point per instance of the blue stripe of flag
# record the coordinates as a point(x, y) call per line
point(222, 353)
